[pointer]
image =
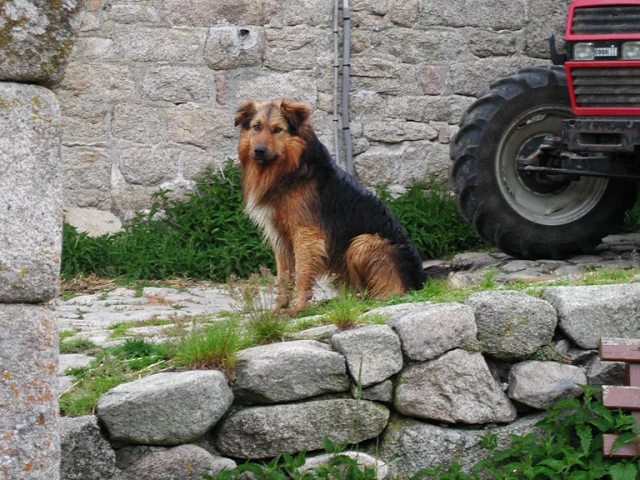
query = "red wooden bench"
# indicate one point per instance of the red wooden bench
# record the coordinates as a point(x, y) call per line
point(627, 397)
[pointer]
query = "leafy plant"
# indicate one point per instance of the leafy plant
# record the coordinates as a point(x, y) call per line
point(429, 215)
point(206, 236)
point(570, 447)
point(287, 467)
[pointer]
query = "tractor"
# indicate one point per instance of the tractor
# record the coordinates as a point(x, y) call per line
point(546, 161)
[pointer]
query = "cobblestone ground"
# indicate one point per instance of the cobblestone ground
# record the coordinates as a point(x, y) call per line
point(92, 315)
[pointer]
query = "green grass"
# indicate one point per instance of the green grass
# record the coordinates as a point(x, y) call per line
point(213, 346)
point(121, 329)
point(112, 367)
point(78, 345)
point(64, 334)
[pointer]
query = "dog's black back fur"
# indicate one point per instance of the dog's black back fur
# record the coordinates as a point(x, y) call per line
point(347, 210)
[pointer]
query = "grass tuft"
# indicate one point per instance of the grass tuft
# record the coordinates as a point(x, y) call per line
point(214, 346)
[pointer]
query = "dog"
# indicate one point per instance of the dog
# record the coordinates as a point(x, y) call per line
point(316, 217)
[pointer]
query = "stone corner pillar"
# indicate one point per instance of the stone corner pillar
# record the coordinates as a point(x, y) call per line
point(35, 39)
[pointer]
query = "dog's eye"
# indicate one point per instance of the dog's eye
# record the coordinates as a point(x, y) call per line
point(277, 130)
point(256, 127)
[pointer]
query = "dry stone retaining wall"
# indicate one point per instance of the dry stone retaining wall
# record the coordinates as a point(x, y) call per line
point(152, 86)
point(432, 382)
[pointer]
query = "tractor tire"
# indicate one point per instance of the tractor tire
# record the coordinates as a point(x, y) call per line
point(518, 212)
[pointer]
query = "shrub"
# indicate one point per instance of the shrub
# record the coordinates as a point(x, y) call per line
point(429, 215)
point(208, 235)
point(205, 236)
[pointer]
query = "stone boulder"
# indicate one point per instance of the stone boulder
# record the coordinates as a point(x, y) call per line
point(36, 38)
point(186, 462)
point(409, 445)
point(362, 459)
point(165, 408)
point(85, 453)
point(605, 373)
point(586, 314)
point(262, 432)
point(92, 221)
point(456, 388)
point(30, 190)
point(287, 371)
point(381, 392)
point(373, 353)
point(432, 330)
point(541, 384)
point(512, 325)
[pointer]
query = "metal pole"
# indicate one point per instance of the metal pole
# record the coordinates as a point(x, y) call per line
point(336, 72)
point(346, 64)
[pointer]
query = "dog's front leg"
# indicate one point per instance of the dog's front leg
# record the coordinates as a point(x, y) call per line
point(310, 252)
point(284, 264)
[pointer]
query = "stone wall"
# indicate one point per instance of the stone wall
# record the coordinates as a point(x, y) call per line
point(419, 389)
point(149, 96)
point(35, 40)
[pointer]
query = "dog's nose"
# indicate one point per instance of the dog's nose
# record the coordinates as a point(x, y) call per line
point(260, 151)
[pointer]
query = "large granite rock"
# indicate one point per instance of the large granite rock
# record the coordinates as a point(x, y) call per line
point(30, 192)
point(28, 393)
point(433, 330)
point(186, 462)
point(165, 408)
point(409, 445)
point(287, 371)
point(512, 325)
point(261, 432)
point(36, 38)
point(363, 460)
point(457, 388)
point(605, 373)
point(86, 454)
point(373, 353)
point(541, 384)
point(586, 314)
point(92, 221)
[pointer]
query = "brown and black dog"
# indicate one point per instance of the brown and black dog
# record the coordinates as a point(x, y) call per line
point(317, 218)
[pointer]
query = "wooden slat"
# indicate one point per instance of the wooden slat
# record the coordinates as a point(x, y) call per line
point(621, 397)
point(632, 374)
point(620, 350)
point(626, 450)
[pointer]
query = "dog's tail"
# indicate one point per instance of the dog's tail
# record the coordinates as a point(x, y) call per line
point(457, 274)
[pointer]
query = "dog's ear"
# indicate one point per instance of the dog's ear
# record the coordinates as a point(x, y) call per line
point(296, 113)
point(245, 113)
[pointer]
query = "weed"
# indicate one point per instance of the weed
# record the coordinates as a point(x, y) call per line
point(64, 334)
point(346, 310)
point(67, 295)
point(568, 447)
point(214, 346)
point(78, 345)
point(80, 313)
point(431, 218)
point(206, 236)
point(112, 367)
point(547, 353)
point(121, 329)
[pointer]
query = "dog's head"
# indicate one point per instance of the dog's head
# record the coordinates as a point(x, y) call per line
point(272, 131)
